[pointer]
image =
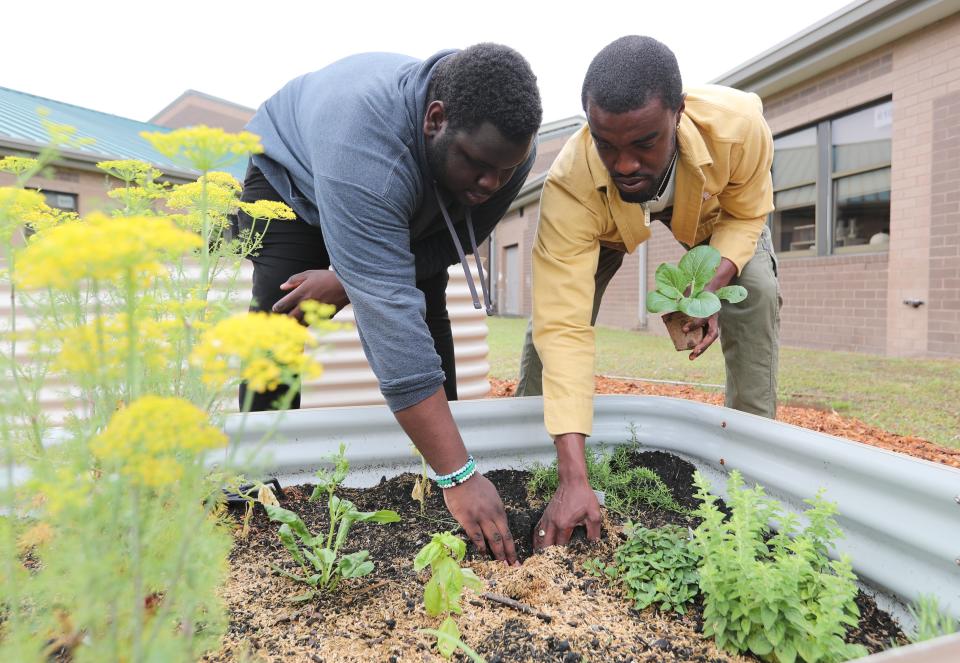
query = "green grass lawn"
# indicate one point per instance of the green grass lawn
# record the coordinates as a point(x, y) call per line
point(907, 396)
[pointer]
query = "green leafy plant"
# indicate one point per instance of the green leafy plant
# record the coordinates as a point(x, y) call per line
point(681, 288)
point(931, 623)
point(625, 487)
point(443, 591)
point(776, 595)
point(654, 566)
point(319, 556)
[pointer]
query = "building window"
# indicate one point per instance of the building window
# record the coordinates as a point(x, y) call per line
point(860, 159)
point(795, 192)
point(831, 185)
point(65, 201)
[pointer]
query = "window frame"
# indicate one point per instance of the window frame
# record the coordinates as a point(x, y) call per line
point(825, 184)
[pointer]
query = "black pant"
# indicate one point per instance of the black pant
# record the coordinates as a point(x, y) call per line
point(290, 247)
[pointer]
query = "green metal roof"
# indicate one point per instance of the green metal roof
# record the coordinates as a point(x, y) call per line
point(115, 137)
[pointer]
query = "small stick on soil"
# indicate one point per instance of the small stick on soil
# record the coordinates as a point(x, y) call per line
point(516, 605)
point(366, 590)
point(375, 641)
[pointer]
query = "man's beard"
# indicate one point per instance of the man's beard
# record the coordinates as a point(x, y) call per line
point(438, 151)
point(639, 197)
point(651, 193)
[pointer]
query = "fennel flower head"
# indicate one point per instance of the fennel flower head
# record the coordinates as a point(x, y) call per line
point(101, 348)
point(222, 192)
point(204, 148)
point(16, 206)
point(101, 248)
point(150, 439)
point(17, 165)
point(263, 349)
point(268, 210)
point(130, 170)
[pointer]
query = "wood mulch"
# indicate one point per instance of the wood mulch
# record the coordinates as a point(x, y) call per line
point(823, 421)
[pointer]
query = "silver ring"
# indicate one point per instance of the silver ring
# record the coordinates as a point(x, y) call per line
point(542, 533)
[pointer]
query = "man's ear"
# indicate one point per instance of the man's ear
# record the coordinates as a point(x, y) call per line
point(434, 119)
point(683, 104)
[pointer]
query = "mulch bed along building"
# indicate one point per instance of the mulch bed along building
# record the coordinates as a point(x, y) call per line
point(805, 417)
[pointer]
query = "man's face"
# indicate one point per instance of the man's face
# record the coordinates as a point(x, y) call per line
point(636, 146)
point(472, 165)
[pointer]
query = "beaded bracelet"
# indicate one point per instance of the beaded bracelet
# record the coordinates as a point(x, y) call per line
point(458, 477)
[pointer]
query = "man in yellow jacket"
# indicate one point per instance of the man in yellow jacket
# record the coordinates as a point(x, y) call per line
point(697, 160)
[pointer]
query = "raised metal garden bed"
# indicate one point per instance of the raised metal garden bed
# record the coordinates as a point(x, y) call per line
point(901, 515)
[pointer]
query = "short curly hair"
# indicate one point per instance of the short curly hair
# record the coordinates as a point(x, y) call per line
point(629, 73)
point(489, 83)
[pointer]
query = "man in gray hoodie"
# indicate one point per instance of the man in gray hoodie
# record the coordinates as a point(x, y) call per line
point(393, 166)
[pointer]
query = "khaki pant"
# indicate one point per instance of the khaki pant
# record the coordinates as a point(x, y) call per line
point(749, 333)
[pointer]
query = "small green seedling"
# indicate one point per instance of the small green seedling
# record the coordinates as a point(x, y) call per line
point(681, 288)
point(654, 566)
point(319, 556)
point(442, 594)
point(931, 623)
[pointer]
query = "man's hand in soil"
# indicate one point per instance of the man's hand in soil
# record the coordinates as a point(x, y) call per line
point(478, 508)
point(574, 503)
point(474, 503)
point(321, 285)
point(725, 273)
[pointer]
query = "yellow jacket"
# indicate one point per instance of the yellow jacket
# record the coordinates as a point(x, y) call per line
point(723, 191)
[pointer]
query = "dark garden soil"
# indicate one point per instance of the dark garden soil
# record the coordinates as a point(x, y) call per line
point(570, 616)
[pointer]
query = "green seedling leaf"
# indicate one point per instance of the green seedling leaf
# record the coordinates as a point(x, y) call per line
point(454, 544)
point(732, 293)
point(321, 558)
point(433, 597)
point(670, 281)
point(289, 518)
point(382, 516)
point(703, 305)
point(427, 554)
point(699, 265)
point(355, 564)
point(341, 466)
point(302, 598)
point(446, 646)
point(659, 303)
point(470, 580)
point(462, 646)
point(286, 574)
point(290, 543)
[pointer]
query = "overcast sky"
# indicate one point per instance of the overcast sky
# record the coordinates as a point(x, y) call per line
point(132, 58)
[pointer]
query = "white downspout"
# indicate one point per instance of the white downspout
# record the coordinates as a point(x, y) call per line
point(642, 286)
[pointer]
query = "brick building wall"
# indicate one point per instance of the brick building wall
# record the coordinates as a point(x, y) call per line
point(944, 304)
point(915, 71)
point(89, 187)
point(834, 303)
point(855, 301)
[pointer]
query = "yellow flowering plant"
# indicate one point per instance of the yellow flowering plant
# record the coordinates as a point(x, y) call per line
point(115, 546)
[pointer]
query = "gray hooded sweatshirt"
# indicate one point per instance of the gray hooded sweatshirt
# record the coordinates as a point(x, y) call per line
point(344, 146)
